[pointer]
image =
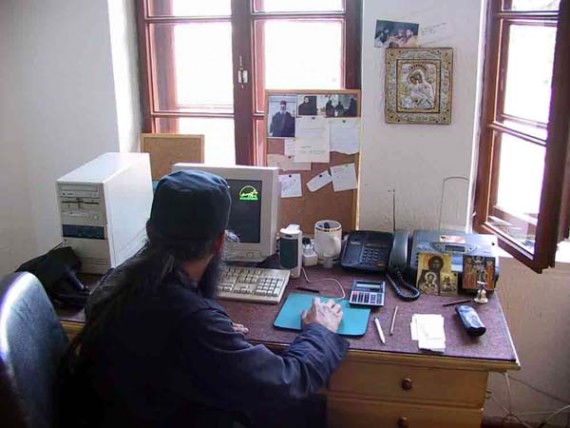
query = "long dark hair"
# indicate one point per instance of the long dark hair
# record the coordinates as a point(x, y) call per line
point(143, 273)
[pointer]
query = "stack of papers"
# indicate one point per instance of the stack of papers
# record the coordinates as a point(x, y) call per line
point(428, 330)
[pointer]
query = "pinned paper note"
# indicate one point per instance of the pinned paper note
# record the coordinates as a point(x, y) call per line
point(318, 181)
point(344, 177)
point(291, 186)
point(312, 139)
point(287, 163)
point(345, 135)
point(289, 147)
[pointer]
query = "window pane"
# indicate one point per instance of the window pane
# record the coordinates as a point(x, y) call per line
point(219, 142)
point(299, 5)
point(534, 5)
point(529, 129)
point(521, 169)
point(202, 76)
point(299, 55)
point(528, 79)
point(190, 8)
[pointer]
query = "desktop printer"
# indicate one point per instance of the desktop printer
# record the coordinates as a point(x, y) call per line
point(104, 206)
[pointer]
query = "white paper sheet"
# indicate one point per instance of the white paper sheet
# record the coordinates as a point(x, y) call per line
point(345, 135)
point(291, 186)
point(428, 330)
point(319, 181)
point(312, 139)
point(289, 147)
point(344, 177)
point(287, 163)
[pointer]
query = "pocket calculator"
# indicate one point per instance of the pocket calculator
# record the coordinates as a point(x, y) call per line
point(367, 293)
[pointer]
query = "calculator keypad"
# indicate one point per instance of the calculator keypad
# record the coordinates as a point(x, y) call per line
point(366, 298)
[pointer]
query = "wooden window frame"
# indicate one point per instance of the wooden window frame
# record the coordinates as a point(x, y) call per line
point(242, 19)
point(554, 211)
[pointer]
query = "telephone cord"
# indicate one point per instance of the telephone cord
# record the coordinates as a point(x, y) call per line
point(414, 292)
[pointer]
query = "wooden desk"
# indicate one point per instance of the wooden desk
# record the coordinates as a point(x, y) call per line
point(393, 385)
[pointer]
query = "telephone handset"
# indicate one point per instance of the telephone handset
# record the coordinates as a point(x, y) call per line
point(399, 260)
point(373, 251)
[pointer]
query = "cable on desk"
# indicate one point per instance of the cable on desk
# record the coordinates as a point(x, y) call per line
point(324, 279)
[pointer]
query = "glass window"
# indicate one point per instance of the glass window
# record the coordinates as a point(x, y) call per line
point(532, 5)
point(529, 77)
point(298, 5)
point(193, 8)
point(521, 195)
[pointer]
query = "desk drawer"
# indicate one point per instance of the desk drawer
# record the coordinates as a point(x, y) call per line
point(350, 413)
point(400, 382)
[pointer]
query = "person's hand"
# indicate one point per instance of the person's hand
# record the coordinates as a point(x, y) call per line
point(239, 328)
point(327, 314)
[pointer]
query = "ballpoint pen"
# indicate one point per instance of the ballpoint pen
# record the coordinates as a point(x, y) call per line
point(393, 321)
point(379, 328)
point(457, 302)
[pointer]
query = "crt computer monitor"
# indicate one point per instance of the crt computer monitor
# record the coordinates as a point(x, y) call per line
point(254, 216)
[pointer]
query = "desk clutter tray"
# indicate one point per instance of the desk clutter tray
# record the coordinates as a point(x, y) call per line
point(354, 320)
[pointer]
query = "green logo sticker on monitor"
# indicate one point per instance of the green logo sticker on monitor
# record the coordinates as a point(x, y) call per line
point(248, 193)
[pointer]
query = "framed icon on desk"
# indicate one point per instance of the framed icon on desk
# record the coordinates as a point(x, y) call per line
point(477, 271)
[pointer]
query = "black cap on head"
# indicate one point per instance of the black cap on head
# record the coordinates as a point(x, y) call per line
point(190, 205)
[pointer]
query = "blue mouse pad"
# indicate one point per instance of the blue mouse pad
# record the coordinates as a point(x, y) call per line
point(354, 320)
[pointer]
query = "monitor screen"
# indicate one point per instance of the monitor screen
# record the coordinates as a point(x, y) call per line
point(254, 216)
point(245, 216)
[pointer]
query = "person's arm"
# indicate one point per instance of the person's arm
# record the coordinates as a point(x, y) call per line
point(231, 372)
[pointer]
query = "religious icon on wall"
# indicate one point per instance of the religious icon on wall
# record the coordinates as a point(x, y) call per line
point(418, 85)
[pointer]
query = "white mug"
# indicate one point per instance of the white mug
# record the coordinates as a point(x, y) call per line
point(328, 236)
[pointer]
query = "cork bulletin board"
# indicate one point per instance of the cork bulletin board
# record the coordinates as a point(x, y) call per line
point(323, 203)
point(166, 149)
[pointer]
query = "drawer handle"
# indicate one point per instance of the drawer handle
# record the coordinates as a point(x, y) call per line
point(403, 422)
point(407, 384)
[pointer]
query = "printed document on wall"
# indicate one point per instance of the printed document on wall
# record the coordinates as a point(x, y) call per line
point(312, 139)
point(287, 163)
point(344, 177)
point(318, 181)
point(291, 186)
point(345, 135)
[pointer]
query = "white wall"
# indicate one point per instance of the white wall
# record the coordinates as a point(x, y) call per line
point(71, 97)
point(414, 159)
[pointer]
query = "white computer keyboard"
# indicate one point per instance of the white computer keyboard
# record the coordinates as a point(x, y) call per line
point(253, 284)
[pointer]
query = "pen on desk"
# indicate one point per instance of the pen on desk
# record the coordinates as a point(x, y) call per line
point(379, 328)
point(310, 290)
point(457, 302)
point(393, 321)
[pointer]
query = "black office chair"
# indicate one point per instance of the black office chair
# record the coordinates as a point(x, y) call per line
point(32, 342)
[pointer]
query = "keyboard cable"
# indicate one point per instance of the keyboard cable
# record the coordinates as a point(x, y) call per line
point(325, 279)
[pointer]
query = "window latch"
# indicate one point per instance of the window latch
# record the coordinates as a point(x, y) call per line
point(242, 74)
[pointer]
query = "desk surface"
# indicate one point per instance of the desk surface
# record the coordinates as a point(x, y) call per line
point(494, 350)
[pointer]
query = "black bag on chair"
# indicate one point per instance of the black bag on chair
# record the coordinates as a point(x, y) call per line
point(57, 272)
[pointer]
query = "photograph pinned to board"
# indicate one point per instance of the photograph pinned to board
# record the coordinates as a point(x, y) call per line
point(303, 103)
point(418, 86)
point(282, 110)
point(394, 34)
point(291, 186)
point(338, 105)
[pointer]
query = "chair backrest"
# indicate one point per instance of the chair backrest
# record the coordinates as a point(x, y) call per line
point(32, 343)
